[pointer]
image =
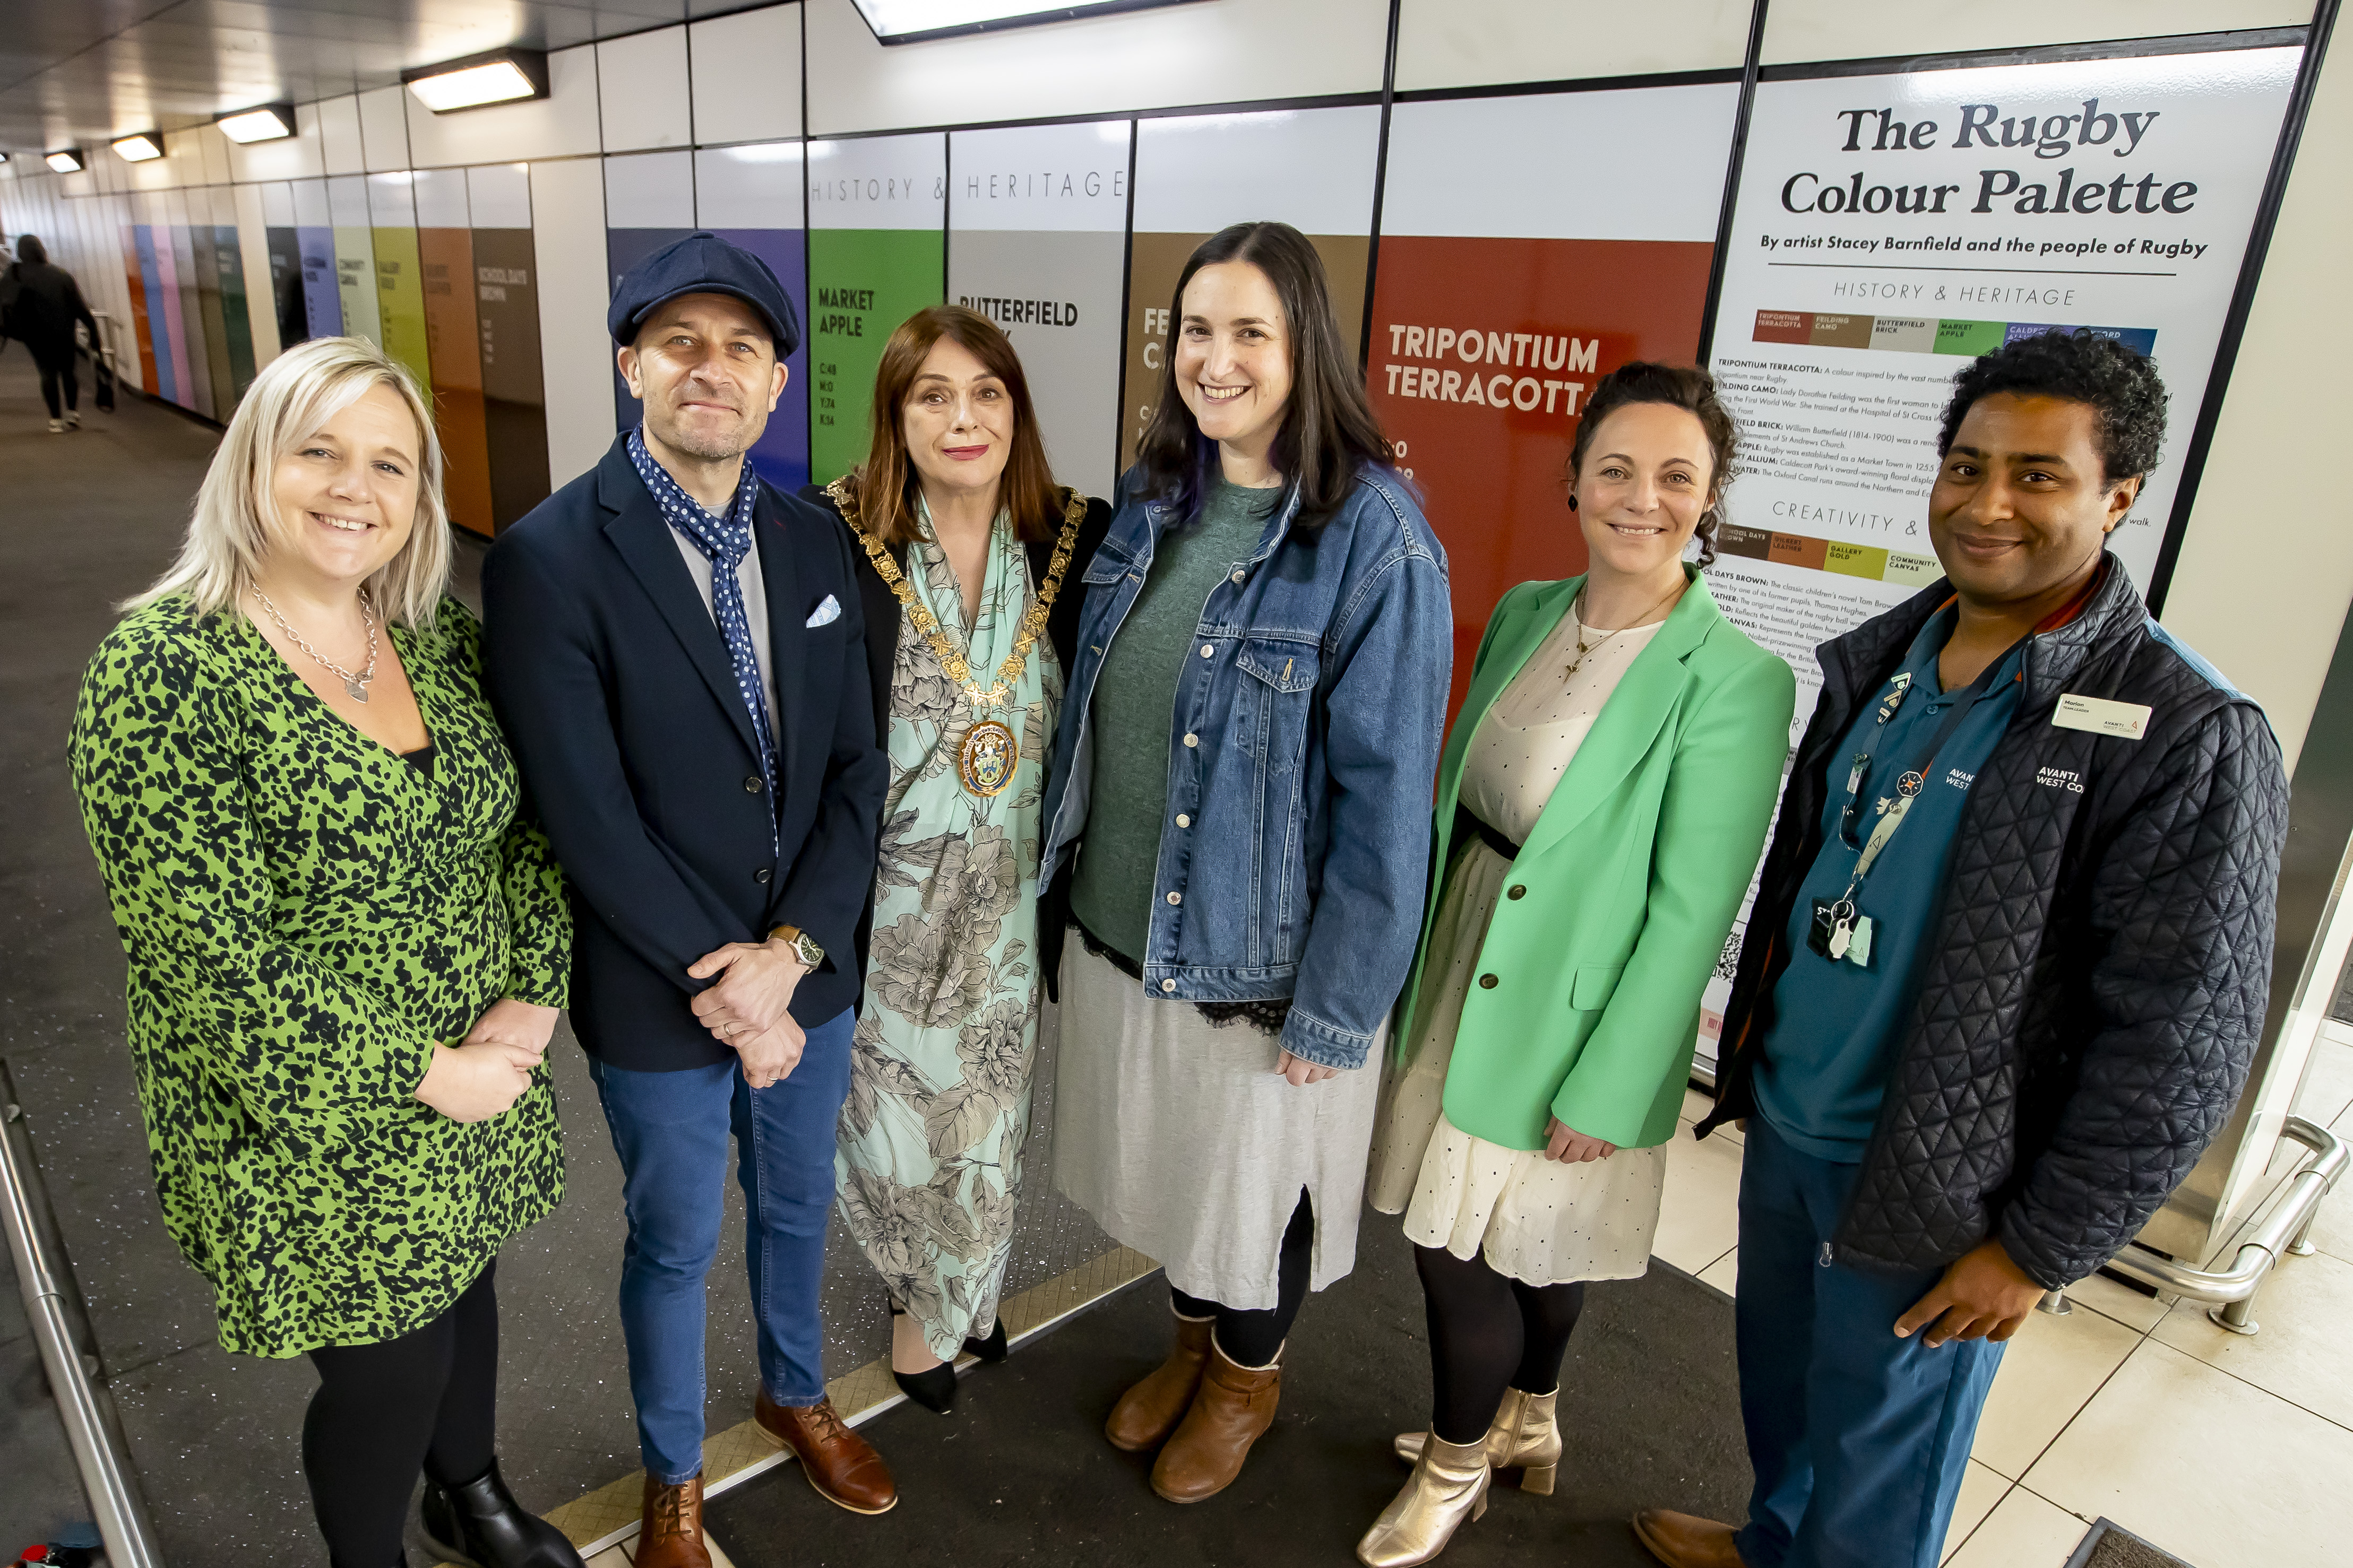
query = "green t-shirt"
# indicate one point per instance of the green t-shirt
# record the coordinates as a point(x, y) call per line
point(1134, 708)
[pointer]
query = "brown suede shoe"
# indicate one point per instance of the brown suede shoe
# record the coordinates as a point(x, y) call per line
point(842, 1466)
point(1232, 1410)
point(1685, 1541)
point(670, 1527)
point(1149, 1412)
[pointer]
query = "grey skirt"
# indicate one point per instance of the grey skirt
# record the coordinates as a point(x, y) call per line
point(1183, 1142)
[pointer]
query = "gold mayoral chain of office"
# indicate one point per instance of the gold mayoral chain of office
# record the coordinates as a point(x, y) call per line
point(986, 761)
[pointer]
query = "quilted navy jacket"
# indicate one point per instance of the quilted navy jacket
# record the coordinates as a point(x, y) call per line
point(2103, 958)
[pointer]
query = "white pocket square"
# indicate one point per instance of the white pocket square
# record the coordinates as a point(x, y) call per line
point(826, 613)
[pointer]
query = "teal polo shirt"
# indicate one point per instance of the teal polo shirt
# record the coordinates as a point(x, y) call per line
point(1837, 1024)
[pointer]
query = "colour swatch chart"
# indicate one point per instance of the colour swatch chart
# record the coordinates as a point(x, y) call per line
point(1866, 560)
point(1921, 334)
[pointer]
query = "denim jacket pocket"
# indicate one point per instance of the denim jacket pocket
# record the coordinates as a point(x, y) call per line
point(1272, 714)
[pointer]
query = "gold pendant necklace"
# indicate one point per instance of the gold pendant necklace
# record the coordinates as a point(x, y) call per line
point(990, 752)
point(1583, 648)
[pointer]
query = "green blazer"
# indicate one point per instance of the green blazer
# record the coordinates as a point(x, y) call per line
point(1587, 1005)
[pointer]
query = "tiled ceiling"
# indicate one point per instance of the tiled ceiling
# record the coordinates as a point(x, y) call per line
point(84, 72)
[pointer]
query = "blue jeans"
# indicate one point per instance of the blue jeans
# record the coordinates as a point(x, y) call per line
point(1857, 1438)
point(671, 1130)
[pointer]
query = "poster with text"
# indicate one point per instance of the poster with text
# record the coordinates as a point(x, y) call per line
point(285, 248)
point(1037, 233)
point(1889, 228)
point(1892, 227)
point(506, 318)
point(445, 257)
point(1196, 175)
point(753, 196)
point(354, 240)
point(877, 210)
point(399, 297)
point(1501, 301)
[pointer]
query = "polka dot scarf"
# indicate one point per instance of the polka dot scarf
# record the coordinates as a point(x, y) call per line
point(725, 541)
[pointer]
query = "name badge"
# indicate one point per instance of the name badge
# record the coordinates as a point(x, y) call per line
point(2126, 720)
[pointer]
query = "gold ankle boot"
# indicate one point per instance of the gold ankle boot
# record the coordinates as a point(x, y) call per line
point(1448, 1486)
point(1523, 1440)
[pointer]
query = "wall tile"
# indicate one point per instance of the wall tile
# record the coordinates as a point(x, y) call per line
point(749, 85)
point(641, 84)
point(561, 125)
point(338, 136)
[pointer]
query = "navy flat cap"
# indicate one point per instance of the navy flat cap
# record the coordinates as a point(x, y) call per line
point(703, 264)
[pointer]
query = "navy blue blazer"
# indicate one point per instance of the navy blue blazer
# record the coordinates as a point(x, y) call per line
point(616, 693)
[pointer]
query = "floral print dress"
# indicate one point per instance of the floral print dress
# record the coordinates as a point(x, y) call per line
point(929, 1163)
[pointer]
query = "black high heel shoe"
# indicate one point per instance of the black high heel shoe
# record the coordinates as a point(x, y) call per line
point(480, 1523)
point(934, 1389)
point(992, 1349)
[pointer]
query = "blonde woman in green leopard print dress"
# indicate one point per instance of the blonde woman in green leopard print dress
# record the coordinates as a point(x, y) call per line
point(347, 945)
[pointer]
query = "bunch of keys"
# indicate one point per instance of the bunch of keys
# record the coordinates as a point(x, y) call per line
point(1840, 933)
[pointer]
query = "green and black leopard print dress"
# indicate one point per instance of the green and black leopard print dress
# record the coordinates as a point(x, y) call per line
point(305, 915)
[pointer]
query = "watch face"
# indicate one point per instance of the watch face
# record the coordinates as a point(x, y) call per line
point(811, 954)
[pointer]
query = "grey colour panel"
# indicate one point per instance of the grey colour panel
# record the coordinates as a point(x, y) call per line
point(1058, 298)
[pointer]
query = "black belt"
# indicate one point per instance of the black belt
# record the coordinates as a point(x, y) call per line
point(1465, 819)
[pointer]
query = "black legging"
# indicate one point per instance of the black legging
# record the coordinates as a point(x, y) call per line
point(1489, 1332)
point(427, 1400)
point(57, 368)
point(1254, 1337)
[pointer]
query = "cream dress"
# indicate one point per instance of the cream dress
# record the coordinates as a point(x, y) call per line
point(1535, 1220)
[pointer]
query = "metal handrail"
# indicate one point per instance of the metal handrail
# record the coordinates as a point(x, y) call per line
point(2230, 1293)
point(54, 1307)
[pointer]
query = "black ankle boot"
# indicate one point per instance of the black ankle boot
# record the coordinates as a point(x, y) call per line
point(480, 1523)
point(991, 1349)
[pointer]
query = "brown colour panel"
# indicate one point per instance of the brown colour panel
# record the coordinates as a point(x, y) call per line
point(514, 397)
point(453, 343)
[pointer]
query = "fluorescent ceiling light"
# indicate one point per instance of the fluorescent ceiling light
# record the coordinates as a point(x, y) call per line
point(66, 163)
point(502, 75)
point(4, 158)
point(915, 21)
point(266, 123)
point(138, 149)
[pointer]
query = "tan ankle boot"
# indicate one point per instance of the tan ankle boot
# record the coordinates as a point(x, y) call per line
point(1686, 1540)
point(1448, 1486)
point(1232, 1410)
point(1523, 1440)
point(1149, 1411)
point(670, 1526)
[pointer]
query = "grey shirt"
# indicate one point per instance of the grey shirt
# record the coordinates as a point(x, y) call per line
point(1133, 710)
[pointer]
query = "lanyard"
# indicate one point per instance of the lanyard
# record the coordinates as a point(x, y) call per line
point(1894, 809)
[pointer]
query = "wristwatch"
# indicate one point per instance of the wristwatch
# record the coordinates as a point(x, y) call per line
point(804, 946)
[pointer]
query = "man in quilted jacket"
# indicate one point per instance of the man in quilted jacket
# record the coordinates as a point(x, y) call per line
point(2004, 976)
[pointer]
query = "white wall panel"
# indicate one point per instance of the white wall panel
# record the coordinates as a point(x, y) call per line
point(650, 190)
point(276, 204)
point(746, 71)
point(310, 209)
point(1218, 51)
point(384, 128)
point(1856, 30)
point(1312, 168)
point(1473, 43)
point(641, 83)
point(213, 146)
point(338, 136)
point(879, 182)
point(498, 196)
point(561, 125)
point(567, 205)
point(252, 221)
point(391, 202)
point(294, 157)
point(440, 197)
point(756, 186)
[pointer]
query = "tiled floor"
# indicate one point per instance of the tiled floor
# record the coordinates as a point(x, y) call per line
point(2228, 1451)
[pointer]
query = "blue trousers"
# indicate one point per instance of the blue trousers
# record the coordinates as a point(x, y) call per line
point(1857, 1438)
point(671, 1130)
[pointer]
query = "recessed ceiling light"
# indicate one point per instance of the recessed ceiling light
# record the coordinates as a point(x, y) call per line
point(266, 123)
point(915, 21)
point(502, 75)
point(138, 149)
point(68, 161)
point(3, 157)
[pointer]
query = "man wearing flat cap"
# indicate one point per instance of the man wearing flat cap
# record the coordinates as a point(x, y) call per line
point(677, 653)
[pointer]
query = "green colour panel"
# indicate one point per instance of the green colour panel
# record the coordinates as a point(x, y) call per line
point(400, 300)
point(233, 305)
point(1970, 338)
point(862, 283)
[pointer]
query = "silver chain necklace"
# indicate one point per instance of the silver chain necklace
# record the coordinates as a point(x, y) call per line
point(1584, 648)
point(356, 685)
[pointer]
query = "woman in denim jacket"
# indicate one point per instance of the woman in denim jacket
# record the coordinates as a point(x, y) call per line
point(1240, 822)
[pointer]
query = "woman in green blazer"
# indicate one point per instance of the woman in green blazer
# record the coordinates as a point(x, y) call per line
point(1601, 808)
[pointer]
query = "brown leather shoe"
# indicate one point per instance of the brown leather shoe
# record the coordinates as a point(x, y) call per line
point(842, 1466)
point(1149, 1412)
point(670, 1527)
point(1685, 1541)
point(1232, 1410)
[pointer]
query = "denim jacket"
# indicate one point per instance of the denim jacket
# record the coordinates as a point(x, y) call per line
point(1300, 762)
